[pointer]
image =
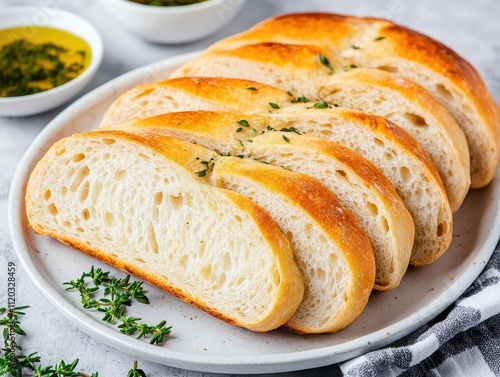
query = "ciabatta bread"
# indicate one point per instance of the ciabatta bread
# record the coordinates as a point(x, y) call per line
point(302, 70)
point(331, 249)
point(377, 43)
point(357, 183)
point(135, 202)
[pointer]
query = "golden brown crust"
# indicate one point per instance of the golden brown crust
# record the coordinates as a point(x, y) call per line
point(220, 89)
point(339, 223)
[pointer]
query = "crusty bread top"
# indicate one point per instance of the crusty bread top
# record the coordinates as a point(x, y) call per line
point(126, 198)
point(378, 43)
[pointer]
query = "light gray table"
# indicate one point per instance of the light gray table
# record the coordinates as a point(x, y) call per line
point(472, 28)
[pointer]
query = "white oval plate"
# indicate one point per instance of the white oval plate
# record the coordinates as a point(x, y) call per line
point(200, 342)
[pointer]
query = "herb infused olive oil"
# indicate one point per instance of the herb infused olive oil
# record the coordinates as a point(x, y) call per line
point(36, 58)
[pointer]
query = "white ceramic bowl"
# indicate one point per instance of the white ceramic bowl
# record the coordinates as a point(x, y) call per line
point(56, 18)
point(173, 24)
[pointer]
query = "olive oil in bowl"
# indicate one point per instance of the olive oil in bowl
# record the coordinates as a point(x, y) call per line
point(38, 58)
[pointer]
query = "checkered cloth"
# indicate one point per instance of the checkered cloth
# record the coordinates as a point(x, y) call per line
point(463, 341)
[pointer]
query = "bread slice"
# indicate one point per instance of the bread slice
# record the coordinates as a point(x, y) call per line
point(193, 93)
point(377, 43)
point(302, 70)
point(356, 182)
point(135, 202)
point(331, 249)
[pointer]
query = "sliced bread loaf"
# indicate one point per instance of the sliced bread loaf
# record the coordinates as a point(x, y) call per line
point(400, 158)
point(307, 71)
point(135, 202)
point(331, 249)
point(357, 183)
point(377, 43)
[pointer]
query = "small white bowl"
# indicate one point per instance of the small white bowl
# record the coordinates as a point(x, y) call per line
point(50, 17)
point(173, 24)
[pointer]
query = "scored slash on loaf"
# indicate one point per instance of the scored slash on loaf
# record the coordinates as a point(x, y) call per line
point(325, 152)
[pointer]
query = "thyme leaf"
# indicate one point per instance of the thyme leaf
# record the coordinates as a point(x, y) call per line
point(324, 60)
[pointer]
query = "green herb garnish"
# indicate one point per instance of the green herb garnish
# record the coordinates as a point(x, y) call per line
point(118, 293)
point(291, 129)
point(302, 99)
point(350, 66)
point(321, 105)
point(15, 363)
point(243, 123)
point(324, 60)
point(207, 164)
point(285, 138)
point(274, 105)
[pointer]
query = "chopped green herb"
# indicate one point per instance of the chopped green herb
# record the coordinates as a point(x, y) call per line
point(321, 105)
point(379, 38)
point(291, 129)
point(274, 105)
point(203, 173)
point(350, 66)
point(252, 88)
point(243, 123)
point(354, 47)
point(302, 99)
point(271, 128)
point(324, 60)
point(285, 138)
point(289, 93)
point(239, 129)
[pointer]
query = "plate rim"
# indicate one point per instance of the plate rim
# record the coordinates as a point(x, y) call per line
point(298, 360)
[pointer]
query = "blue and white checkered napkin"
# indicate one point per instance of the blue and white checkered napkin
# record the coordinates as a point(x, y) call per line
point(462, 341)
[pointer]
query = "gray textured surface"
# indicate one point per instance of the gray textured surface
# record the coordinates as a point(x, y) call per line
point(470, 28)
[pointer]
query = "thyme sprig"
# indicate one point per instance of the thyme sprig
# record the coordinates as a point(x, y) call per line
point(12, 360)
point(118, 294)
